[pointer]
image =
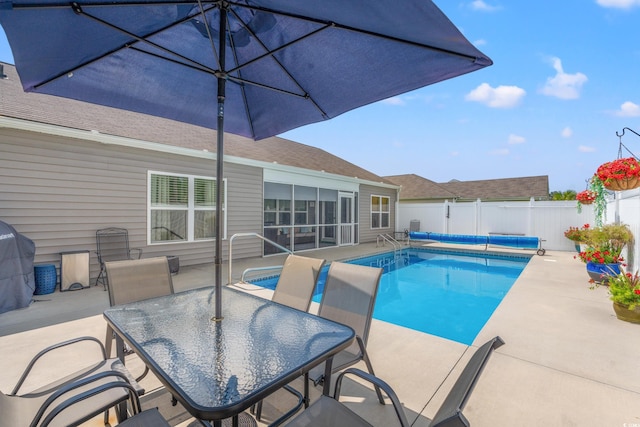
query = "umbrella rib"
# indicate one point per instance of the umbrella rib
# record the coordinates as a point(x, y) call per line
point(271, 53)
point(245, 101)
point(357, 30)
point(189, 62)
point(206, 25)
point(241, 81)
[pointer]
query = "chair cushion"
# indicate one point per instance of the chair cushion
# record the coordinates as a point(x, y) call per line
point(149, 418)
point(327, 412)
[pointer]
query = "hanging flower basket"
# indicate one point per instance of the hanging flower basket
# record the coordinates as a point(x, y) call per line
point(621, 174)
point(586, 197)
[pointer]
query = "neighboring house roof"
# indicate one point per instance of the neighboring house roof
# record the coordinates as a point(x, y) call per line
point(52, 110)
point(415, 187)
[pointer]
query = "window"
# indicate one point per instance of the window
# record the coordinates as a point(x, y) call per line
point(182, 208)
point(380, 211)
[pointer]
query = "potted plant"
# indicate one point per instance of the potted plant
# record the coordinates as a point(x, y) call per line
point(577, 235)
point(624, 290)
point(620, 174)
point(586, 197)
point(604, 248)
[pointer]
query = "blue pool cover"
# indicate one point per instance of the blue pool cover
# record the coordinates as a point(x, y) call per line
point(525, 242)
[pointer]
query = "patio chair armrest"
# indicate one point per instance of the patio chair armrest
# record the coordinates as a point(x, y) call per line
point(137, 255)
point(33, 361)
point(121, 380)
point(377, 382)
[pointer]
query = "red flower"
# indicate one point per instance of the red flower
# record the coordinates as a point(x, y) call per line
point(586, 197)
point(618, 169)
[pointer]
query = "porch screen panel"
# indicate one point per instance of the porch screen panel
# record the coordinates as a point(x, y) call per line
point(328, 217)
point(277, 216)
point(305, 205)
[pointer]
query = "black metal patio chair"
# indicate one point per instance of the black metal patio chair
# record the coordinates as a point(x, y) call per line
point(113, 245)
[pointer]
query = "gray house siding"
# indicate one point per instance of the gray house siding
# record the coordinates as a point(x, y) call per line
point(368, 234)
point(58, 191)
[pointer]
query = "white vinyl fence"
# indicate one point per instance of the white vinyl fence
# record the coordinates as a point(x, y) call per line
point(547, 220)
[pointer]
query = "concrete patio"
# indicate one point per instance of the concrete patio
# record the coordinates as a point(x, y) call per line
point(567, 361)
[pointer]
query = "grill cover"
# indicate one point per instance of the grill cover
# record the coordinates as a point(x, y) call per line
point(17, 282)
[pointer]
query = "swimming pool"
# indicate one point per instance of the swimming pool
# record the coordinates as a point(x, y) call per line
point(451, 294)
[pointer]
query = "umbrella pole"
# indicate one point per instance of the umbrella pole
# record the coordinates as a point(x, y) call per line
point(219, 170)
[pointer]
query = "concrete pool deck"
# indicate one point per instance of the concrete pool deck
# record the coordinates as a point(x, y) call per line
point(567, 361)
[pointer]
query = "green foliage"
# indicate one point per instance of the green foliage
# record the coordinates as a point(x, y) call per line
point(563, 195)
point(576, 234)
point(611, 237)
point(604, 243)
point(600, 203)
point(624, 289)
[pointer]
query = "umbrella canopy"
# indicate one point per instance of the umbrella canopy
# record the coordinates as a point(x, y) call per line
point(255, 68)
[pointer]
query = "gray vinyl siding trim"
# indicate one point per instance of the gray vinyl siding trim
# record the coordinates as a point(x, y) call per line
point(367, 234)
point(58, 191)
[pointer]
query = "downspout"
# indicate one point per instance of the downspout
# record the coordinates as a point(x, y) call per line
point(397, 221)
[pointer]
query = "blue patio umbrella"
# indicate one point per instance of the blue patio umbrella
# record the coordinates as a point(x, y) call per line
point(255, 68)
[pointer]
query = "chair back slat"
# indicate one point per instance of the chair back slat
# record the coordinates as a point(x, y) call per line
point(349, 297)
point(139, 279)
point(113, 244)
point(297, 281)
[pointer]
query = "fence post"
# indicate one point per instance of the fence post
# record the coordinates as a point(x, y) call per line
point(477, 216)
point(445, 216)
point(532, 203)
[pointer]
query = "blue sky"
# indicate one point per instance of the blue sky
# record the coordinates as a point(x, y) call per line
point(565, 79)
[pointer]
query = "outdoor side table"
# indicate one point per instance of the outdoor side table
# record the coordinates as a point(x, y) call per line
point(74, 270)
point(45, 279)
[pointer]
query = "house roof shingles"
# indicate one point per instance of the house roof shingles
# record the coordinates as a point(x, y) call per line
point(52, 110)
point(415, 187)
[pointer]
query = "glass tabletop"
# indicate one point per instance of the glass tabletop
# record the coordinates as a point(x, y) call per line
point(218, 369)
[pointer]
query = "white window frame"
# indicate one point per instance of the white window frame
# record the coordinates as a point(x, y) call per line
point(191, 208)
point(379, 211)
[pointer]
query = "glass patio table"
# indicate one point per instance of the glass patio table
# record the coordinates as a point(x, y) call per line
point(216, 370)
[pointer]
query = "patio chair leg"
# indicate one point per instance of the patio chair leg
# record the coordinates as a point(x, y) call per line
point(306, 390)
point(365, 357)
point(102, 278)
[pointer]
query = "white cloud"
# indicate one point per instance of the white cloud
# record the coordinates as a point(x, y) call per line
point(585, 149)
point(619, 4)
point(563, 85)
point(567, 132)
point(454, 153)
point(628, 109)
point(500, 152)
point(499, 97)
point(480, 42)
point(516, 139)
point(481, 5)
point(394, 100)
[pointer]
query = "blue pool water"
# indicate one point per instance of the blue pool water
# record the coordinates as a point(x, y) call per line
point(450, 294)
